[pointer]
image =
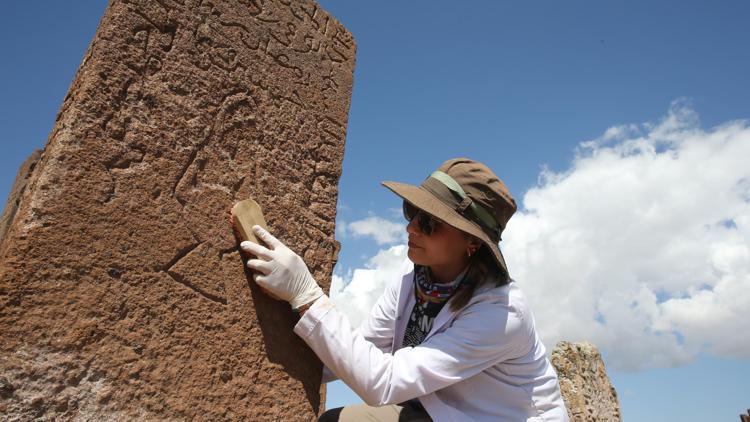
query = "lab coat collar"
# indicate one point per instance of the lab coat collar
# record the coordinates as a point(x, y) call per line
point(406, 302)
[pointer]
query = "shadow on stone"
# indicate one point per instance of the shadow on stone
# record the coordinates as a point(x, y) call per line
point(282, 346)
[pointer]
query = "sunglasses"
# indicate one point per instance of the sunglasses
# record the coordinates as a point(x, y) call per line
point(427, 223)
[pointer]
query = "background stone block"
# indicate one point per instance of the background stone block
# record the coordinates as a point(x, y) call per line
point(122, 291)
point(585, 386)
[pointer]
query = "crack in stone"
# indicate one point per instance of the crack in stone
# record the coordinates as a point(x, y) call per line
point(182, 253)
point(178, 278)
point(226, 251)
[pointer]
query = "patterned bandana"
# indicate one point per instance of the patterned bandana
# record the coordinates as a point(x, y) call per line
point(430, 299)
point(427, 291)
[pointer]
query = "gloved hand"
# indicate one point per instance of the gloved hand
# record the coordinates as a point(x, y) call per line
point(281, 272)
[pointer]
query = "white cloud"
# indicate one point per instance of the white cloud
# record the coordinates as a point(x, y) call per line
point(356, 293)
point(396, 212)
point(614, 133)
point(641, 246)
point(341, 229)
point(383, 231)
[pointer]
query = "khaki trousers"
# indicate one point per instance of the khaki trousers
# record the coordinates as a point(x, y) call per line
point(363, 412)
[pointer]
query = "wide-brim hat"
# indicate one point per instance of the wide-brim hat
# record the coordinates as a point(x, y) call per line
point(466, 195)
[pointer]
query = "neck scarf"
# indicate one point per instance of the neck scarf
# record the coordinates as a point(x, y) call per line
point(430, 299)
point(428, 291)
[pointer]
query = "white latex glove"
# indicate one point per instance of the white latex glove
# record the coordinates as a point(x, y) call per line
point(281, 272)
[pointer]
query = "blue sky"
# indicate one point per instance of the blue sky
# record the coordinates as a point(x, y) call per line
point(636, 240)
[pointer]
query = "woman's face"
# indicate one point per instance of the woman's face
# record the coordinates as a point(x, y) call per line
point(444, 250)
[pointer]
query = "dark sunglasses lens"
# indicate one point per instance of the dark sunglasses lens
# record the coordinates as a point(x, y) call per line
point(409, 211)
point(426, 223)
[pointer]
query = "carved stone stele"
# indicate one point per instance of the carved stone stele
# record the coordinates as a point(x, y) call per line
point(122, 294)
point(16, 191)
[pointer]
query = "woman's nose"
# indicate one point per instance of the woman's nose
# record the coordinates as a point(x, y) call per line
point(413, 226)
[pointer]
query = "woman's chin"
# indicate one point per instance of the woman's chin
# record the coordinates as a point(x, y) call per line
point(415, 256)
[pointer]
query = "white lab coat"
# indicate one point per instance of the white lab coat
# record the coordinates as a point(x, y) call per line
point(484, 362)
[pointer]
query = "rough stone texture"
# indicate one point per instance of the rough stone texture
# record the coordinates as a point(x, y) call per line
point(14, 197)
point(586, 389)
point(122, 294)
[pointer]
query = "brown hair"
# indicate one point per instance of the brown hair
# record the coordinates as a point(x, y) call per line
point(482, 269)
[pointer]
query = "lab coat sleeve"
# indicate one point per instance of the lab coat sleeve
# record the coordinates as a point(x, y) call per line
point(378, 328)
point(485, 332)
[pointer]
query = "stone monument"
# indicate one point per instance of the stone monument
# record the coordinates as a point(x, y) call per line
point(122, 293)
point(14, 196)
point(585, 386)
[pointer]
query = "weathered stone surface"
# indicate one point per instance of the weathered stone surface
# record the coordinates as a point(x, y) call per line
point(16, 191)
point(122, 294)
point(586, 389)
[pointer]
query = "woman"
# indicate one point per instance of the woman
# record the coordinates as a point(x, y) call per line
point(452, 338)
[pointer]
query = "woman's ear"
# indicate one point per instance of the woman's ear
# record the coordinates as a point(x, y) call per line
point(474, 244)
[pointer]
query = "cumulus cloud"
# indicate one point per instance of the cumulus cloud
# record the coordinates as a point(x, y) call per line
point(382, 230)
point(641, 246)
point(356, 292)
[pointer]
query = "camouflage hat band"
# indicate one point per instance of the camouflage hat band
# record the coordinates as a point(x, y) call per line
point(456, 197)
